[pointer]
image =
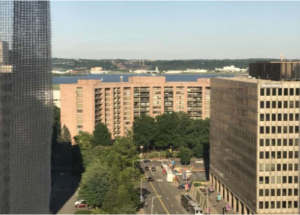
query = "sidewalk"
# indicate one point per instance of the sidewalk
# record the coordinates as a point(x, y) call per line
point(218, 206)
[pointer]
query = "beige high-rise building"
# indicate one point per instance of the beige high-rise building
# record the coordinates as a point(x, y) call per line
point(254, 151)
point(4, 53)
point(117, 104)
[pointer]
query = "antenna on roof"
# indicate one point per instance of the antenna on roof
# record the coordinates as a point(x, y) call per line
point(282, 57)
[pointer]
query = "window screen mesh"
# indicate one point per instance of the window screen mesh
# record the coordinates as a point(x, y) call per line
point(25, 106)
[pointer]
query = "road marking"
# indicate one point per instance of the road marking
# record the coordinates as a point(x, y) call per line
point(158, 198)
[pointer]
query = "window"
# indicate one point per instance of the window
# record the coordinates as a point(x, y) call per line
point(272, 204)
point(261, 205)
point(267, 117)
point(284, 142)
point(295, 192)
point(279, 104)
point(279, 129)
point(274, 92)
point(79, 111)
point(297, 92)
point(262, 104)
point(296, 179)
point(278, 192)
point(262, 117)
point(284, 168)
point(286, 92)
point(279, 117)
point(261, 142)
point(295, 204)
point(261, 155)
point(297, 104)
point(278, 167)
point(278, 154)
point(283, 192)
point(296, 142)
point(273, 117)
point(289, 204)
point(262, 92)
point(279, 142)
point(291, 104)
point(79, 126)
point(285, 117)
point(273, 132)
point(262, 129)
point(268, 92)
point(278, 203)
point(285, 129)
point(273, 154)
point(268, 104)
point(267, 130)
point(284, 179)
point(296, 117)
point(296, 129)
point(291, 117)
point(274, 141)
point(261, 192)
point(261, 167)
point(273, 104)
point(291, 91)
point(278, 179)
point(266, 192)
point(267, 180)
point(267, 142)
point(266, 205)
point(261, 180)
point(267, 155)
point(296, 167)
point(290, 167)
point(284, 154)
point(290, 180)
point(290, 154)
point(267, 167)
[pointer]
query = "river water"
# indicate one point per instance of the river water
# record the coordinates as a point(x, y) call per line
point(116, 77)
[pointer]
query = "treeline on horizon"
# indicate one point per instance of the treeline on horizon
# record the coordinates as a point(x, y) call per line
point(163, 65)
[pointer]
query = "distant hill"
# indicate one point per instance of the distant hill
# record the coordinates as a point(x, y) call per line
point(163, 65)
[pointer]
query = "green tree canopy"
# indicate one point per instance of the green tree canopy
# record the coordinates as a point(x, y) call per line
point(101, 135)
point(185, 155)
point(65, 135)
point(144, 131)
point(84, 139)
point(95, 183)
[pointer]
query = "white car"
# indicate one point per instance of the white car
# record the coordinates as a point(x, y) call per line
point(80, 203)
point(199, 161)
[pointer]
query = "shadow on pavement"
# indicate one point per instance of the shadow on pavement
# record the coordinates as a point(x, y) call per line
point(67, 167)
point(206, 160)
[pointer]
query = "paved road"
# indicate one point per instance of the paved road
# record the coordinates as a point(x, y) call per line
point(170, 194)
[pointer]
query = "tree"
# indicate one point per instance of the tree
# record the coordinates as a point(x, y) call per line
point(198, 150)
point(65, 135)
point(144, 131)
point(185, 155)
point(95, 183)
point(56, 128)
point(84, 139)
point(101, 135)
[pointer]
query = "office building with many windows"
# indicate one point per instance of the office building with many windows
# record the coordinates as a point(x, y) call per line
point(254, 152)
point(117, 104)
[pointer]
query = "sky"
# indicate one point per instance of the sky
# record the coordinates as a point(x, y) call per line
point(175, 30)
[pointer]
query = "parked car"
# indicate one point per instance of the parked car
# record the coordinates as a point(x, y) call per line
point(146, 168)
point(81, 204)
point(182, 186)
point(153, 168)
point(146, 161)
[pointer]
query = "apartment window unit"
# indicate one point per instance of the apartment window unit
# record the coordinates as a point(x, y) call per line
point(79, 89)
point(79, 105)
point(278, 167)
point(261, 142)
point(291, 91)
point(267, 142)
point(285, 104)
point(284, 180)
point(295, 192)
point(262, 92)
point(274, 91)
point(296, 167)
point(291, 104)
point(261, 192)
point(266, 205)
point(297, 104)
point(79, 94)
point(297, 91)
point(279, 104)
point(268, 92)
point(267, 155)
point(267, 117)
point(272, 204)
point(266, 192)
point(286, 92)
point(79, 126)
point(261, 205)
point(79, 111)
point(278, 204)
point(268, 104)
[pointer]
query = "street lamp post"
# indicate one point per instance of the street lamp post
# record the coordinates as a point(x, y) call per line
point(152, 203)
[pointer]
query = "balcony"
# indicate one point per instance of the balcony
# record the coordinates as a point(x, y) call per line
point(144, 95)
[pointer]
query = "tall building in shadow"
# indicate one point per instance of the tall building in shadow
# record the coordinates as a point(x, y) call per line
point(26, 119)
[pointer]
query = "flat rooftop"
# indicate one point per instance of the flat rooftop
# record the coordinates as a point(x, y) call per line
point(251, 80)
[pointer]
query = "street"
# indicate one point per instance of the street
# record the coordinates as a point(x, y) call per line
point(169, 203)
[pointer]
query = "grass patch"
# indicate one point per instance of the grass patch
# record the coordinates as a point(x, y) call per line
point(83, 212)
point(55, 86)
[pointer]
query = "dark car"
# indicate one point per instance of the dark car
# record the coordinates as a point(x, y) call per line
point(153, 168)
point(182, 186)
point(150, 179)
point(146, 168)
point(146, 161)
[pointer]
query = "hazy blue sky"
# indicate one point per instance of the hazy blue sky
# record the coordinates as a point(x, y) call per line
point(175, 30)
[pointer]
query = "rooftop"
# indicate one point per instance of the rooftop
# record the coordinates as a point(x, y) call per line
point(250, 79)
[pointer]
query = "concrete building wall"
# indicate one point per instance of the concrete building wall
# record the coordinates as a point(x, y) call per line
point(4, 53)
point(255, 154)
point(117, 104)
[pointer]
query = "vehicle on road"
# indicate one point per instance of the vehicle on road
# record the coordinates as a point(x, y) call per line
point(149, 178)
point(146, 168)
point(146, 161)
point(199, 161)
point(182, 186)
point(153, 168)
point(81, 204)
